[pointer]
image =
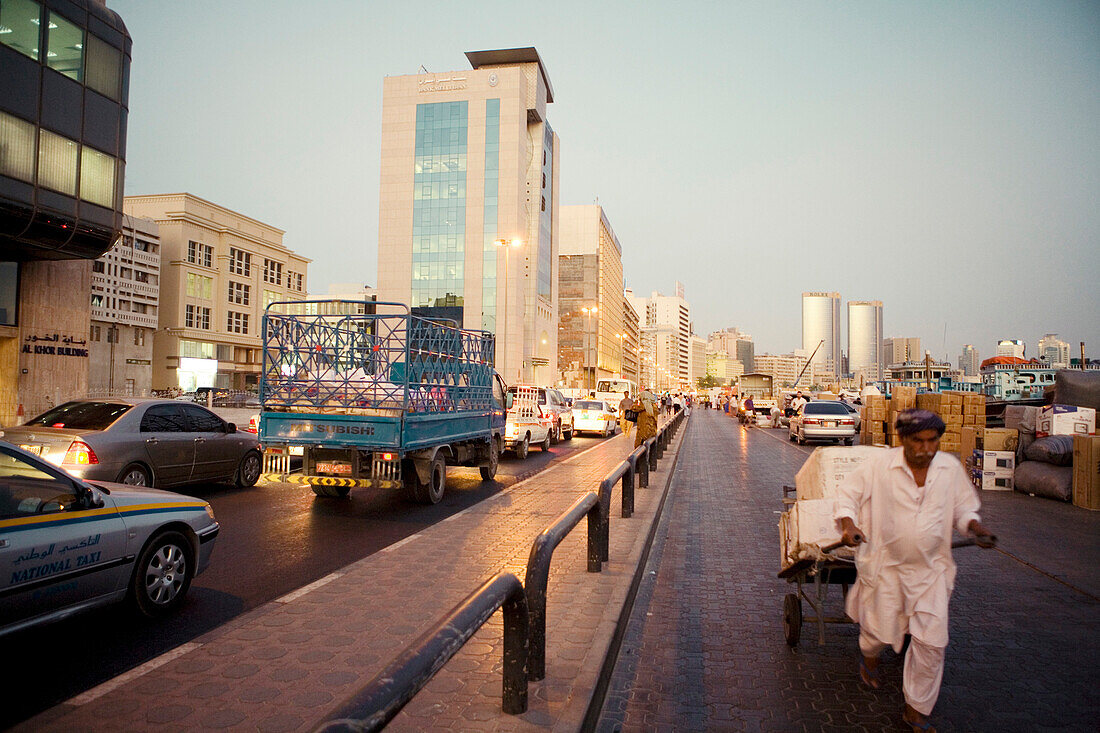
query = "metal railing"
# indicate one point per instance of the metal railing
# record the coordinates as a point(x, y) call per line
point(538, 571)
point(376, 704)
point(524, 606)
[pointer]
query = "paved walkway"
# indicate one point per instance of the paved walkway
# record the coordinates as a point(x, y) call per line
point(286, 665)
point(704, 648)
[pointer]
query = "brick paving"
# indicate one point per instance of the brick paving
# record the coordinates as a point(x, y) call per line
point(286, 665)
point(704, 647)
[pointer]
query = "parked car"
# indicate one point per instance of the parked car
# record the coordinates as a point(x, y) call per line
point(822, 420)
point(71, 544)
point(527, 424)
point(551, 402)
point(595, 416)
point(142, 442)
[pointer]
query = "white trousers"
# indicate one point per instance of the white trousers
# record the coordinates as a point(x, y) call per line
point(921, 675)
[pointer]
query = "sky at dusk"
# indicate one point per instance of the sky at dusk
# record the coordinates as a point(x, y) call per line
point(941, 157)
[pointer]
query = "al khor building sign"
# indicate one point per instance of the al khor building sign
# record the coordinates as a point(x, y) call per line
point(55, 344)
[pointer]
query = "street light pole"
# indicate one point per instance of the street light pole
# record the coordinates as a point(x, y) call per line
point(507, 245)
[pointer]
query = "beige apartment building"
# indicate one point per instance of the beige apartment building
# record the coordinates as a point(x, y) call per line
point(125, 301)
point(468, 204)
point(591, 338)
point(219, 271)
point(632, 343)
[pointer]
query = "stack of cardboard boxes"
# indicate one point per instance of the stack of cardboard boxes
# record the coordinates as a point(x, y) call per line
point(958, 410)
point(872, 427)
point(1086, 472)
point(991, 455)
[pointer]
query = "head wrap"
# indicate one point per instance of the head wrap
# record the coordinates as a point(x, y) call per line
point(910, 422)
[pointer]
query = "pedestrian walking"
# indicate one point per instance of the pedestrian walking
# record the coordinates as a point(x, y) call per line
point(645, 405)
point(906, 501)
point(625, 404)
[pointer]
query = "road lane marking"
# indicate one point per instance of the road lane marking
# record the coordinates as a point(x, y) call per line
point(307, 588)
point(110, 685)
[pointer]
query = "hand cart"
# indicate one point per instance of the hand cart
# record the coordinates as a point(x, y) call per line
point(819, 572)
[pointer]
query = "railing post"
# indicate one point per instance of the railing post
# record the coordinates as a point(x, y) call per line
point(643, 462)
point(517, 651)
point(628, 490)
point(651, 453)
point(605, 519)
point(538, 573)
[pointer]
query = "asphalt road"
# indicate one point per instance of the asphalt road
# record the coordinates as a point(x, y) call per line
point(274, 539)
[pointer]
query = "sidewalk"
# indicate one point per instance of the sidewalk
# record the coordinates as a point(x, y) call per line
point(286, 665)
point(704, 648)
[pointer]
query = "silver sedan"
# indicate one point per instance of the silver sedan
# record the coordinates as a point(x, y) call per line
point(141, 442)
point(67, 545)
point(822, 420)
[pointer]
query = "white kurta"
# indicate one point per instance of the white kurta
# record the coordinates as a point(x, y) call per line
point(904, 567)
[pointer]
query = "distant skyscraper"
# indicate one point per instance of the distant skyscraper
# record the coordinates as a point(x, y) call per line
point(1053, 350)
point(969, 361)
point(821, 323)
point(736, 344)
point(1011, 347)
point(865, 338)
point(900, 349)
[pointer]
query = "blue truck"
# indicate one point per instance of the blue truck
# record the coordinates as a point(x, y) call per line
point(370, 395)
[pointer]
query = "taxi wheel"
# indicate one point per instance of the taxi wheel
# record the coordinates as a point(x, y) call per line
point(555, 433)
point(249, 470)
point(568, 435)
point(523, 447)
point(163, 574)
point(135, 475)
point(489, 472)
point(546, 443)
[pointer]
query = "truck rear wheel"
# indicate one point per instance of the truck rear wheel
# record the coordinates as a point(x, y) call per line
point(432, 491)
point(489, 472)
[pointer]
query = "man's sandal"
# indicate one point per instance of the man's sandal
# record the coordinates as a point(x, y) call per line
point(869, 676)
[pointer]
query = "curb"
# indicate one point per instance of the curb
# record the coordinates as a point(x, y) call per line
point(607, 669)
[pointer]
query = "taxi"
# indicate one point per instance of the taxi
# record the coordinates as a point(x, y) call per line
point(69, 544)
point(594, 416)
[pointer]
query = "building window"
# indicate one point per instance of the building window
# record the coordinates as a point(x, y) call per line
point(200, 286)
point(196, 317)
point(237, 322)
point(98, 266)
point(273, 272)
point(240, 262)
point(65, 47)
point(200, 254)
point(19, 23)
point(196, 349)
point(104, 64)
point(57, 157)
point(270, 296)
point(294, 281)
point(239, 293)
point(94, 334)
point(16, 145)
point(139, 337)
point(97, 177)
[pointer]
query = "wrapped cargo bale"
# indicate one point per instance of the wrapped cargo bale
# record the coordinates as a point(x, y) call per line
point(1057, 450)
point(826, 468)
point(1045, 480)
point(1080, 388)
point(1022, 417)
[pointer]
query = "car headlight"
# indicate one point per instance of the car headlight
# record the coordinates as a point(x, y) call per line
point(209, 512)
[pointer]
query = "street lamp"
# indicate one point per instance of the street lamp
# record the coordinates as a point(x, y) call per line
point(589, 312)
point(507, 246)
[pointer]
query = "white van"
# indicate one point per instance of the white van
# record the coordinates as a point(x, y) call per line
point(611, 390)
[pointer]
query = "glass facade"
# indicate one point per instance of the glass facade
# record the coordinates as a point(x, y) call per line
point(546, 217)
point(489, 247)
point(439, 204)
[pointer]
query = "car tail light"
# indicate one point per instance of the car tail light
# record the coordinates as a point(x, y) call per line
point(811, 421)
point(847, 422)
point(80, 454)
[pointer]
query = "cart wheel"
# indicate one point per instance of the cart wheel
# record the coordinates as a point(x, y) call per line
point(792, 618)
